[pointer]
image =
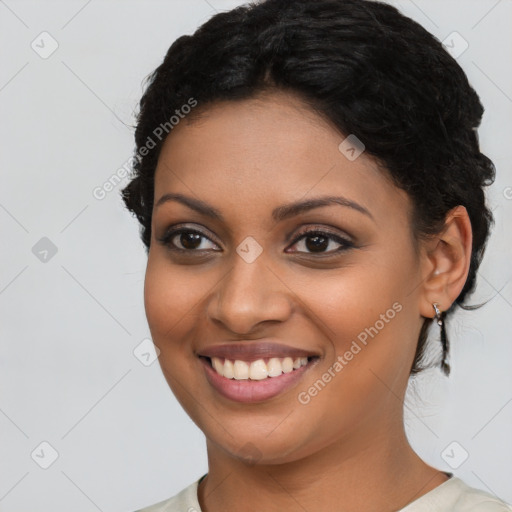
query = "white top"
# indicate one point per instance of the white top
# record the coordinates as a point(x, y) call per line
point(453, 495)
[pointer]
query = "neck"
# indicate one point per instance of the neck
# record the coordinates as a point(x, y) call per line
point(371, 470)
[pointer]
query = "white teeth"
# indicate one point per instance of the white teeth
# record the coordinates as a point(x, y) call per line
point(241, 370)
point(228, 370)
point(274, 367)
point(257, 370)
point(217, 364)
point(287, 364)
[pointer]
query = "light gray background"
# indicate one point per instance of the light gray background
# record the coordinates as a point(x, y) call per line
point(70, 324)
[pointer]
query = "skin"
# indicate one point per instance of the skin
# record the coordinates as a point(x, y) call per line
point(347, 445)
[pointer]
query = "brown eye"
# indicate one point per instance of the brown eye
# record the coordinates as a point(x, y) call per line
point(316, 241)
point(185, 240)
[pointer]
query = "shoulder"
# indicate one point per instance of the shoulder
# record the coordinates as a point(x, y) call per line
point(476, 500)
point(184, 501)
point(455, 495)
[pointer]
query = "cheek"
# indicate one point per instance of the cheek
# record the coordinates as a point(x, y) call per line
point(367, 313)
point(159, 302)
point(355, 298)
point(169, 302)
point(367, 366)
point(169, 298)
point(169, 306)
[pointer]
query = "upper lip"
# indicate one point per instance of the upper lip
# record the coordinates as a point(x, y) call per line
point(247, 351)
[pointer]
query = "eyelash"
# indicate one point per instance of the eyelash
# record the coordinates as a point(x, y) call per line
point(345, 244)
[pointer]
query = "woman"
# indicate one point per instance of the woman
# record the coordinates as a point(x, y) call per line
point(310, 192)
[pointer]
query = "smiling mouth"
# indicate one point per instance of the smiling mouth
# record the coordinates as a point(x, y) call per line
point(257, 370)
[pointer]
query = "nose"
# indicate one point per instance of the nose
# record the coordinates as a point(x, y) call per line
point(249, 295)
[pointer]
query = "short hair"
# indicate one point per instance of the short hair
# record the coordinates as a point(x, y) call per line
point(361, 64)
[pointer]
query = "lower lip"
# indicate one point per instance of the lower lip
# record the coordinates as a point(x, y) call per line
point(250, 391)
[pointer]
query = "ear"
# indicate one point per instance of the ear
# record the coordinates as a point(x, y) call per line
point(446, 259)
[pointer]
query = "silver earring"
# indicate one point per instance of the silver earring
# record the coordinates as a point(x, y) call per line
point(444, 340)
point(438, 313)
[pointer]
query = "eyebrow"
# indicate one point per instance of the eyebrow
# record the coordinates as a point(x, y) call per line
point(278, 214)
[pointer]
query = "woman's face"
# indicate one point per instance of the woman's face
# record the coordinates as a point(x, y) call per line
point(332, 316)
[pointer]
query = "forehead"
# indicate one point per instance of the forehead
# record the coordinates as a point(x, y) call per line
point(270, 149)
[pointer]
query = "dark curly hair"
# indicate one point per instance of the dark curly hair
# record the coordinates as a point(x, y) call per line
point(360, 64)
